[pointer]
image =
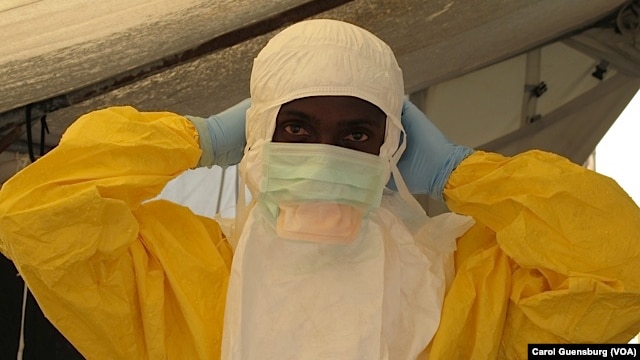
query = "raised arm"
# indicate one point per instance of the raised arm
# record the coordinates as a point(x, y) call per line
point(119, 278)
point(553, 256)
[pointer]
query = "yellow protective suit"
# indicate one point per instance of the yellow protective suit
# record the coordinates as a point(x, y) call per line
point(553, 257)
point(121, 279)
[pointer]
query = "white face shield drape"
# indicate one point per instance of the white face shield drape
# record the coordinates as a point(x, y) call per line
point(377, 295)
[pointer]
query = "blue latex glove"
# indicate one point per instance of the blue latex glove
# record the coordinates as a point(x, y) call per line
point(429, 157)
point(222, 136)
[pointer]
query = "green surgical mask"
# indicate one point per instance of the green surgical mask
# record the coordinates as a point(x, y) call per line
point(317, 188)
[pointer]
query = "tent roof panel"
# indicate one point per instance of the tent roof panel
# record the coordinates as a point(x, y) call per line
point(434, 40)
point(52, 47)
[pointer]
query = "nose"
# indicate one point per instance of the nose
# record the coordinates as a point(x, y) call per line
point(328, 139)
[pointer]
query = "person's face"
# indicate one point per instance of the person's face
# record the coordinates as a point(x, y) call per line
point(343, 121)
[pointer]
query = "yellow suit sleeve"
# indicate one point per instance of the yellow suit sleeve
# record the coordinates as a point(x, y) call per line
point(121, 278)
point(553, 258)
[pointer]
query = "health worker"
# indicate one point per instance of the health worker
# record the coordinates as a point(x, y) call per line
point(325, 261)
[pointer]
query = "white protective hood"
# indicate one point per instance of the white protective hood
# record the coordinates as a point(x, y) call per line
point(323, 58)
point(379, 297)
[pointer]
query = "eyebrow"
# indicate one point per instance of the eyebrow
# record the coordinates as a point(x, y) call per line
point(297, 113)
point(359, 122)
point(345, 123)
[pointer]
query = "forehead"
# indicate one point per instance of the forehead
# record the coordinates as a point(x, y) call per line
point(335, 107)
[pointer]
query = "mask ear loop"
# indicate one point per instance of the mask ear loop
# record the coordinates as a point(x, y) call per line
point(397, 176)
point(242, 210)
point(241, 213)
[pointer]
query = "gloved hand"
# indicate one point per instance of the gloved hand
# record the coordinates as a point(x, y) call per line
point(429, 157)
point(222, 136)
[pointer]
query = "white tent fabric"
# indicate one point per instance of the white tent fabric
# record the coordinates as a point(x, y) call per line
point(57, 50)
point(78, 43)
point(568, 118)
point(50, 47)
point(206, 191)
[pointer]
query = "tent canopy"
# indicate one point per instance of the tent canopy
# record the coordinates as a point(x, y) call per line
point(475, 67)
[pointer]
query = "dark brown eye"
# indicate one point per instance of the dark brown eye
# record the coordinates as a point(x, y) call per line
point(357, 136)
point(294, 129)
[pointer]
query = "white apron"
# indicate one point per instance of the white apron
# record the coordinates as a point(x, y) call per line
point(379, 297)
